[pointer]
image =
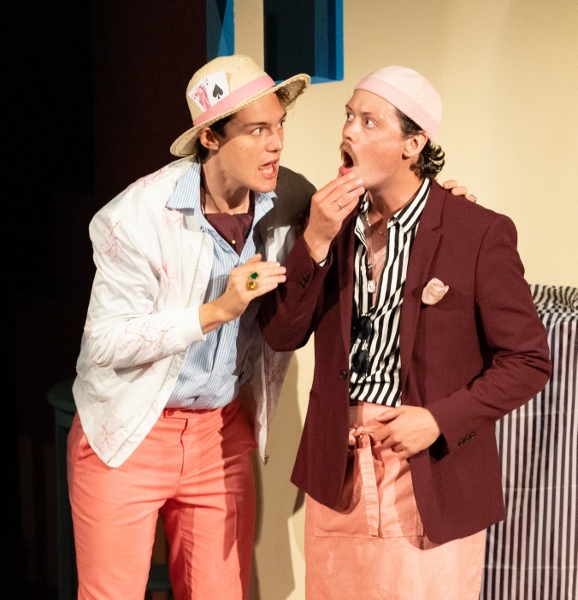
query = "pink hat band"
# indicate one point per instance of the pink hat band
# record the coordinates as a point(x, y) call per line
point(410, 93)
point(235, 98)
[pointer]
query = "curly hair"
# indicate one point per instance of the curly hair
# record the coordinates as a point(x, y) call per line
point(431, 159)
point(219, 127)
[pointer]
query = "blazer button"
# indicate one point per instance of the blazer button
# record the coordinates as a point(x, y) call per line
point(343, 374)
point(304, 279)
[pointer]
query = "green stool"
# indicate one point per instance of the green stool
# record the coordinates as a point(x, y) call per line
point(61, 399)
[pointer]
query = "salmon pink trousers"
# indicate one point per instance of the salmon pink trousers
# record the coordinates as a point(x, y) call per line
point(195, 468)
point(373, 545)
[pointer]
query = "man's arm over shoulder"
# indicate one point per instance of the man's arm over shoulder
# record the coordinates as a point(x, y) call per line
point(512, 331)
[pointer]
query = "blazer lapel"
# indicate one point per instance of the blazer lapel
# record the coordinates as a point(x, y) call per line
point(422, 253)
point(196, 259)
point(345, 257)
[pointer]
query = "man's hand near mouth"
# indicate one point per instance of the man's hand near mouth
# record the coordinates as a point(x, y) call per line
point(329, 207)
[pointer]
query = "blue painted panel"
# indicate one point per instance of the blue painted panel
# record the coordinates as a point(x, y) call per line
point(220, 28)
point(300, 36)
point(304, 36)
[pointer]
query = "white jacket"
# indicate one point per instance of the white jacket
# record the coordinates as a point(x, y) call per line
point(151, 276)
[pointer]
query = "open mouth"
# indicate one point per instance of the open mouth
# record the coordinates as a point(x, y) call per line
point(269, 170)
point(347, 162)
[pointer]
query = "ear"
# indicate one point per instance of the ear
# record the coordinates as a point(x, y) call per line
point(414, 145)
point(209, 139)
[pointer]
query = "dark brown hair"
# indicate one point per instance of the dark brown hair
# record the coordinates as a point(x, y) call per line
point(431, 159)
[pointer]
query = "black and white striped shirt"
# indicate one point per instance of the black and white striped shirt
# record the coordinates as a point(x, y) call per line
point(378, 378)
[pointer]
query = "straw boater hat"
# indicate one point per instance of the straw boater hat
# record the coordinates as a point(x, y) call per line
point(224, 86)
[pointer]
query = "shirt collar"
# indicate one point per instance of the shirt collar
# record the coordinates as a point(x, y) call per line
point(187, 194)
point(408, 216)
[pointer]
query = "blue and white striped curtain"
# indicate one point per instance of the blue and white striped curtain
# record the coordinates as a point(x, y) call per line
point(533, 554)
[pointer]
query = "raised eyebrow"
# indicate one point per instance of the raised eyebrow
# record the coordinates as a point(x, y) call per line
point(363, 113)
point(263, 123)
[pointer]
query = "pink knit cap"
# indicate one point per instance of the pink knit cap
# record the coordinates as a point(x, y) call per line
point(409, 92)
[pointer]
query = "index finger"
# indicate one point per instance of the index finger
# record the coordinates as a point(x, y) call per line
point(346, 196)
point(343, 184)
point(388, 416)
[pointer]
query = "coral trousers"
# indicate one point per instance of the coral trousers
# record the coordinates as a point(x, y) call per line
point(195, 468)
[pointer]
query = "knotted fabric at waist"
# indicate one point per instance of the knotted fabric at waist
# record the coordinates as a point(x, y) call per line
point(363, 421)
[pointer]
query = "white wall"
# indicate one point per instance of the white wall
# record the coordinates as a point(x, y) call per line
point(507, 71)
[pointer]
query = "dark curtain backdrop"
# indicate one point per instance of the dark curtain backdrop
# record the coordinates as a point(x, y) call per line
point(94, 96)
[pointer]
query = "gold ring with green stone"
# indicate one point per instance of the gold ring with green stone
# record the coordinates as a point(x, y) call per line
point(252, 281)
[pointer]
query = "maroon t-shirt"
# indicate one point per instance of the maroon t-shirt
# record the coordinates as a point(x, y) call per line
point(234, 229)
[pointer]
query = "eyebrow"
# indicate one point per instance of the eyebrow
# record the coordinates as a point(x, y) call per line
point(364, 113)
point(263, 123)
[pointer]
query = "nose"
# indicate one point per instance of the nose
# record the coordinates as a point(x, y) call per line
point(276, 141)
point(348, 130)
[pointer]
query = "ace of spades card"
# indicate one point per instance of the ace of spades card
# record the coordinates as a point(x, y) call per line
point(210, 90)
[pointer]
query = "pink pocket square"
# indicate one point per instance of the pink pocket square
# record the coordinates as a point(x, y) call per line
point(434, 291)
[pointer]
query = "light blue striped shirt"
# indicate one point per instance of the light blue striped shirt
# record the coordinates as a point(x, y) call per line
point(214, 369)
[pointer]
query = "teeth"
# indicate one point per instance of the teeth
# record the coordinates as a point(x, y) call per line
point(267, 169)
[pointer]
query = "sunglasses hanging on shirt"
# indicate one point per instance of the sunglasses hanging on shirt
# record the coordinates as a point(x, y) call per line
point(360, 333)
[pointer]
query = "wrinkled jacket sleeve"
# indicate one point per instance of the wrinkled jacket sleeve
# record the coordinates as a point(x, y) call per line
point(515, 337)
point(129, 321)
point(289, 314)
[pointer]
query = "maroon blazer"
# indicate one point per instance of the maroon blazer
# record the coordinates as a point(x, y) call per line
point(477, 354)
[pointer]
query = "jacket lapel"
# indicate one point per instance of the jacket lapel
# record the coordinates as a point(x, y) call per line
point(422, 253)
point(196, 261)
point(345, 258)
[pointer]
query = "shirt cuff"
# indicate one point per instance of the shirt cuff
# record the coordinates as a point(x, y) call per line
point(190, 326)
